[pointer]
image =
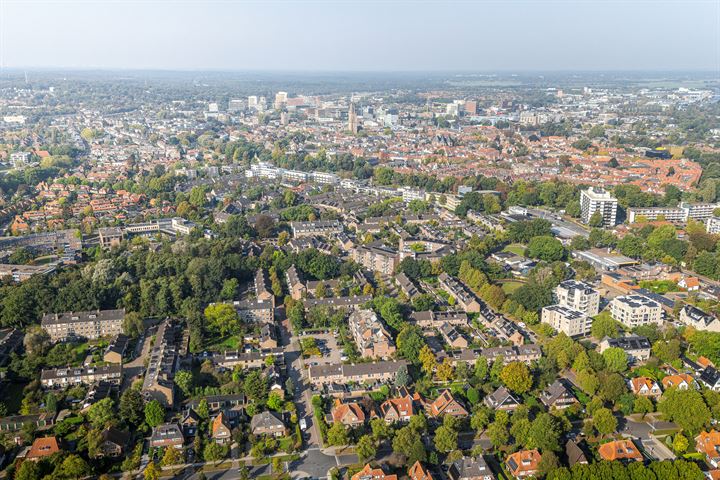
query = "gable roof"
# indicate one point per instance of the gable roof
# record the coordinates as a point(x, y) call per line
point(402, 406)
point(265, 420)
point(219, 422)
point(418, 472)
point(442, 402)
point(42, 447)
point(372, 473)
point(670, 381)
point(341, 410)
point(619, 450)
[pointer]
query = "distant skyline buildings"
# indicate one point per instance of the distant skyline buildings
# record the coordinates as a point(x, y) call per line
point(422, 35)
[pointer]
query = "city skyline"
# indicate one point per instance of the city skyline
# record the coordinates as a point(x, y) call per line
point(399, 36)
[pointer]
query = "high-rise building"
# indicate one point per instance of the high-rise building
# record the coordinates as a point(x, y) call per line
point(596, 199)
point(213, 107)
point(352, 119)
point(280, 99)
point(252, 101)
point(235, 105)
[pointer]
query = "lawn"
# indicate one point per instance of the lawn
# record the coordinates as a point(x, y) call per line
point(510, 287)
point(516, 248)
point(660, 286)
point(231, 342)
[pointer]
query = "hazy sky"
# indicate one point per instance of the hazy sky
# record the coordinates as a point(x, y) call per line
point(362, 34)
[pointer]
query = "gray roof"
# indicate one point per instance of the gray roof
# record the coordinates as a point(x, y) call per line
point(265, 420)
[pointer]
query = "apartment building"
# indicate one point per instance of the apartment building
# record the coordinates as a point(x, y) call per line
point(376, 257)
point(635, 310)
point(255, 311)
point(71, 376)
point(91, 325)
point(712, 225)
point(294, 283)
point(370, 335)
point(596, 199)
point(564, 319)
point(578, 296)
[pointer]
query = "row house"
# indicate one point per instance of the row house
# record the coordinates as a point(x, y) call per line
point(71, 376)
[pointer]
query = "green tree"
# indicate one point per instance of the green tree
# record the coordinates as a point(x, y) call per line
point(337, 435)
point(544, 433)
point(687, 408)
point(596, 219)
point(445, 439)
point(680, 444)
point(223, 318)
point(28, 471)
point(172, 456)
point(410, 342)
point(408, 443)
point(154, 413)
point(275, 402)
point(74, 467)
point(516, 376)
point(215, 452)
point(255, 386)
point(615, 359)
point(365, 448)
point(101, 413)
point(546, 248)
point(604, 326)
point(184, 380)
point(604, 421)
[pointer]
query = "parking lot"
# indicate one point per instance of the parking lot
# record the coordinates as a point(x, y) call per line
point(328, 345)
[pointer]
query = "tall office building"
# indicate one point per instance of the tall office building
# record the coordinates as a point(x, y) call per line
point(596, 199)
point(235, 105)
point(352, 119)
point(252, 101)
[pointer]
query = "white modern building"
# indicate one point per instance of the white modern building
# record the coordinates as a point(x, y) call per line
point(596, 199)
point(578, 296)
point(680, 214)
point(564, 319)
point(712, 225)
point(635, 310)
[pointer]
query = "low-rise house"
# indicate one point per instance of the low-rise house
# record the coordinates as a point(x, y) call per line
point(113, 443)
point(645, 386)
point(41, 448)
point(418, 472)
point(220, 402)
point(69, 376)
point(267, 423)
point(710, 377)
point(558, 395)
point(407, 287)
point(14, 423)
point(167, 435)
point(369, 473)
point(189, 423)
point(294, 283)
point(446, 404)
point(398, 409)
point(635, 347)
point(708, 443)
point(574, 453)
point(465, 299)
point(622, 450)
point(268, 336)
point(350, 414)
point(681, 381)
point(524, 463)
point(343, 374)
point(696, 318)
point(429, 319)
point(501, 399)
point(470, 468)
point(220, 430)
point(116, 350)
point(452, 336)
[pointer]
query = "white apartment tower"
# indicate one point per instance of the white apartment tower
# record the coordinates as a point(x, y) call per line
point(579, 296)
point(596, 199)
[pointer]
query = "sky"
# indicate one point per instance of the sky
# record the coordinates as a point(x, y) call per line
point(362, 35)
